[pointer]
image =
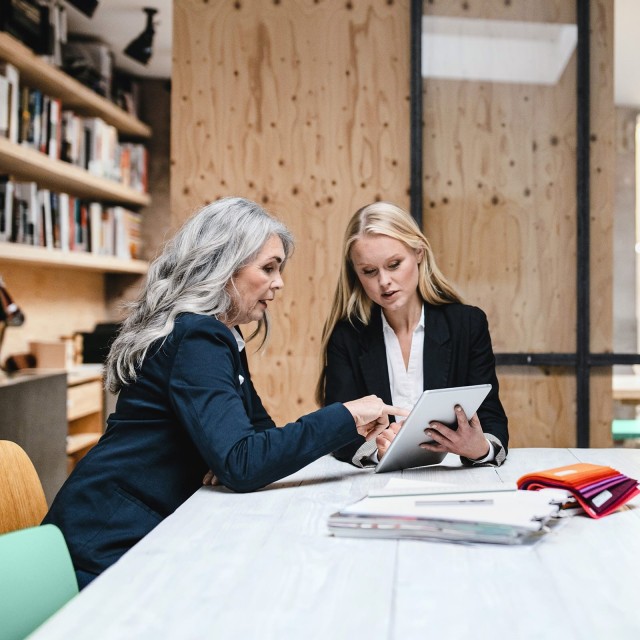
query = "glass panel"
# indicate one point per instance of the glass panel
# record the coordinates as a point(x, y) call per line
point(499, 145)
point(626, 249)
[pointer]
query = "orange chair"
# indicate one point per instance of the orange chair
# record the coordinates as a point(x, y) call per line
point(22, 500)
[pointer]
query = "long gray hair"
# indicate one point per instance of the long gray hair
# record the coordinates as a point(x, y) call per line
point(190, 276)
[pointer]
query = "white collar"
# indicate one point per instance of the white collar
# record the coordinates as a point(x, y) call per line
point(238, 337)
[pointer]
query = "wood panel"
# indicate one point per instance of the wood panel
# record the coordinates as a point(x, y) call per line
point(538, 11)
point(56, 302)
point(500, 209)
point(303, 107)
point(602, 205)
point(540, 404)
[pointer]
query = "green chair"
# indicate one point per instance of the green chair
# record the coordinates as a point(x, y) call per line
point(36, 579)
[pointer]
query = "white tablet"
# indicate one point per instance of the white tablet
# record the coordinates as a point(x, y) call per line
point(437, 405)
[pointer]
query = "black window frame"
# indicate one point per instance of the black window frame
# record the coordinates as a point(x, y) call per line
point(583, 360)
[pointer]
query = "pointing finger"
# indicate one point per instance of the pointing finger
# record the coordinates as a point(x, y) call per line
point(394, 411)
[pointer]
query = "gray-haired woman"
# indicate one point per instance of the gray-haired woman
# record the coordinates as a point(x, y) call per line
point(186, 403)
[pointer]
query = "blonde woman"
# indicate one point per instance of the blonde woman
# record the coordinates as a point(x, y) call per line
point(397, 327)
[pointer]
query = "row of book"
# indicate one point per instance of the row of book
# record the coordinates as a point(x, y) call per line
point(36, 120)
point(44, 218)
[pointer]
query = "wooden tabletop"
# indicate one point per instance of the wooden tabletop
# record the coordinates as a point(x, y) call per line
point(262, 565)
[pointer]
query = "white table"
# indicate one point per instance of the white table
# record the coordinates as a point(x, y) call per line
point(262, 566)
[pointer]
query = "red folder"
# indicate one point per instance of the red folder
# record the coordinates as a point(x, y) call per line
point(599, 489)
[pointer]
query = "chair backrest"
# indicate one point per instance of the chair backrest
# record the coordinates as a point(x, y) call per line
point(36, 579)
point(22, 500)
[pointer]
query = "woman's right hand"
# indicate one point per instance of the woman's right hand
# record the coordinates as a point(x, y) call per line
point(371, 415)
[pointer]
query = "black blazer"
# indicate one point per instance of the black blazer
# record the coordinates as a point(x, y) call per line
point(457, 352)
point(192, 408)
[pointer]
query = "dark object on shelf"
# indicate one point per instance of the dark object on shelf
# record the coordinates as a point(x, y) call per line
point(19, 361)
point(10, 312)
point(87, 7)
point(90, 62)
point(28, 21)
point(10, 315)
point(141, 48)
point(96, 345)
point(125, 92)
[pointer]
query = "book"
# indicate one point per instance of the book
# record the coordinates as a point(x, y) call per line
point(5, 107)
point(46, 225)
point(12, 76)
point(462, 514)
point(64, 219)
point(6, 209)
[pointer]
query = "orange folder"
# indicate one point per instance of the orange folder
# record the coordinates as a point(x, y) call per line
point(599, 489)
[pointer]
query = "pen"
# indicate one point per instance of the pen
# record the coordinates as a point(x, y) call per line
point(424, 503)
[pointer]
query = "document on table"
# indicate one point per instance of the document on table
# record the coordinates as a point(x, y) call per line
point(402, 487)
point(464, 515)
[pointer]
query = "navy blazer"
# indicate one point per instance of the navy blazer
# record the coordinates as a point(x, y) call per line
point(457, 352)
point(192, 408)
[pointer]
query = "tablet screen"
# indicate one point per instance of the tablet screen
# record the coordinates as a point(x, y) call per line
point(438, 405)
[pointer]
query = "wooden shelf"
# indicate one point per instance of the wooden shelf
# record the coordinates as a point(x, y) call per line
point(39, 74)
point(80, 441)
point(22, 253)
point(28, 164)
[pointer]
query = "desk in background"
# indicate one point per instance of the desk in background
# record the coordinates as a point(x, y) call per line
point(262, 566)
point(626, 388)
point(33, 414)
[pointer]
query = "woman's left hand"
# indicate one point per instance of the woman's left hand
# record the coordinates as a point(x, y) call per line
point(211, 478)
point(467, 440)
point(386, 438)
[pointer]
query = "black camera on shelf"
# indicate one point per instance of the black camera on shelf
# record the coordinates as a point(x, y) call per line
point(29, 22)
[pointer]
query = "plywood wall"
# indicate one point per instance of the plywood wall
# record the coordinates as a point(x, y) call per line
point(304, 107)
point(500, 208)
point(56, 302)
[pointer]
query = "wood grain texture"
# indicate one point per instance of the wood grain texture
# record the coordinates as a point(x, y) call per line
point(540, 404)
point(602, 197)
point(304, 108)
point(22, 501)
point(500, 209)
point(56, 302)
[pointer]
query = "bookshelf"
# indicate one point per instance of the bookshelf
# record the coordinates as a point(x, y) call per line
point(26, 164)
point(39, 256)
point(64, 291)
point(31, 165)
point(39, 74)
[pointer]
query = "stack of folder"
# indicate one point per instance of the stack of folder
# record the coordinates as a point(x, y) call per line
point(499, 514)
point(599, 489)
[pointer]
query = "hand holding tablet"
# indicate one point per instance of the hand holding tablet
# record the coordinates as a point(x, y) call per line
point(434, 405)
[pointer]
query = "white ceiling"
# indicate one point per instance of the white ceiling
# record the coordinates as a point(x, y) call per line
point(626, 77)
point(117, 22)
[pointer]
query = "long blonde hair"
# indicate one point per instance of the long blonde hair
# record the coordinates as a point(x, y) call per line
point(350, 302)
